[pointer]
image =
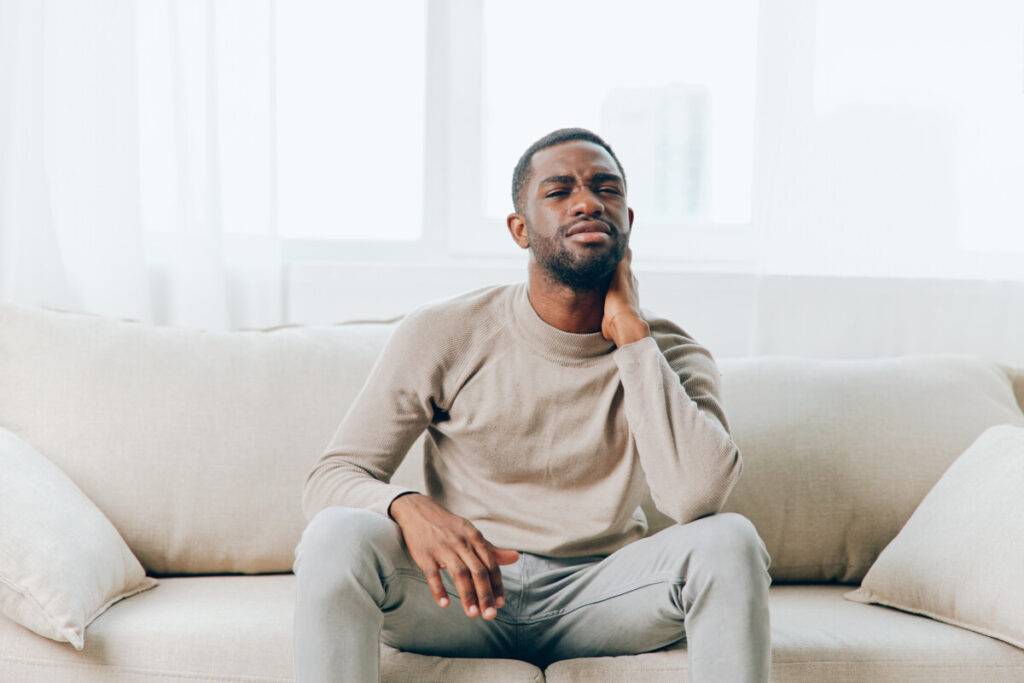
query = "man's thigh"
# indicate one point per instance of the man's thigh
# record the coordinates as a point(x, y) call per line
point(414, 622)
point(629, 602)
point(352, 563)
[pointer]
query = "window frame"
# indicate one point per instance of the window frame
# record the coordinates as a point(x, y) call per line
point(455, 230)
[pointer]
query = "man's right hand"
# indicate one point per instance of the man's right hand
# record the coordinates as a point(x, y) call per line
point(437, 540)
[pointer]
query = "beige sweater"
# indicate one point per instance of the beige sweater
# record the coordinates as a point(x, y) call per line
point(545, 440)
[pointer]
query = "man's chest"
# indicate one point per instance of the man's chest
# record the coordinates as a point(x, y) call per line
point(518, 417)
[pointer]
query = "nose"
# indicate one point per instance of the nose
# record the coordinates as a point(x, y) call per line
point(586, 203)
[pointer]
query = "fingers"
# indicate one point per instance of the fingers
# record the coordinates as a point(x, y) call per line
point(437, 539)
point(505, 556)
point(477, 579)
point(437, 589)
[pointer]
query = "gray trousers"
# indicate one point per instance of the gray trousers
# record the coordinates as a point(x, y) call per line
point(705, 582)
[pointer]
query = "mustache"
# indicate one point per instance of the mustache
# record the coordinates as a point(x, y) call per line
point(563, 230)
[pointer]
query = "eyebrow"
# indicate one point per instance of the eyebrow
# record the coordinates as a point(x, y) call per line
point(596, 178)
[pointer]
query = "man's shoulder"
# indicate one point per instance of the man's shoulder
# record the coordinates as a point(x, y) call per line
point(473, 302)
point(675, 342)
point(666, 332)
point(456, 319)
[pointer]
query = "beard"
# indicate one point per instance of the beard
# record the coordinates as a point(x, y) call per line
point(583, 270)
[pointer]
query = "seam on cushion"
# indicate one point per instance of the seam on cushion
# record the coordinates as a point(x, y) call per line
point(874, 598)
point(145, 672)
point(972, 666)
point(611, 668)
point(24, 593)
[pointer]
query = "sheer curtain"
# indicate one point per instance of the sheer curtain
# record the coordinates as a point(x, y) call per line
point(136, 160)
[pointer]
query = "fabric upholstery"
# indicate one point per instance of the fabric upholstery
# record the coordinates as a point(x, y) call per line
point(195, 445)
point(62, 563)
point(838, 453)
point(158, 425)
point(817, 636)
point(210, 629)
point(960, 558)
point(238, 628)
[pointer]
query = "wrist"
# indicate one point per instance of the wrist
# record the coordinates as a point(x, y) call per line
point(627, 328)
point(400, 503)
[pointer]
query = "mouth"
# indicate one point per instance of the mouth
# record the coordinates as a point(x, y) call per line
point(591, 226)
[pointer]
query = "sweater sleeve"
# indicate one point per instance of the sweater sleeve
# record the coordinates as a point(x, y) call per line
point(393, 408)
point(671, 398)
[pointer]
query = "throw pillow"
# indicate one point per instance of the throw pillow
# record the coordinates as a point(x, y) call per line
point(960, 557)
point(62, 563)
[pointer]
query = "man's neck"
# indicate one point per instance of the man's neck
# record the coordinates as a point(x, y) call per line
point(561, 306)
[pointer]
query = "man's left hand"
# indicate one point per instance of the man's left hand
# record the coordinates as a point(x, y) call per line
point(622, 323)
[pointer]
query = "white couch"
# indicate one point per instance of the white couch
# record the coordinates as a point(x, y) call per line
point(195, 445)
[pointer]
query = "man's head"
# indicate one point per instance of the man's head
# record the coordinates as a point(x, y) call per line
point(569, 192)
point(521, 174)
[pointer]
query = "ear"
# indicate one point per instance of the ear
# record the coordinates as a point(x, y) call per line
point(630, 209)
point(517, 228)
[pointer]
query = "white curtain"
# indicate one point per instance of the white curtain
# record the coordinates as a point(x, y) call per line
point(136, 160)
point(891, 139)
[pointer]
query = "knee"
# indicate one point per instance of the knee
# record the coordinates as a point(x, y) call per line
point(733, 541)
point(726, 542)
point(338, 537)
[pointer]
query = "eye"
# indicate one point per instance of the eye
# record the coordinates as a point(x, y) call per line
point(610, 190)
point(556, 193)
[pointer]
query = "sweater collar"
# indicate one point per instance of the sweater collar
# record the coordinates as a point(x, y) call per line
point(549, 340)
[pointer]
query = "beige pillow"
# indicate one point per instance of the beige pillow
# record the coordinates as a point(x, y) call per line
point(62, 562)
point(960, 556)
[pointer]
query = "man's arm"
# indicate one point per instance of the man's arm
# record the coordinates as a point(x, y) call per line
point(394, 407)
point(380, 426)
point(674, 412)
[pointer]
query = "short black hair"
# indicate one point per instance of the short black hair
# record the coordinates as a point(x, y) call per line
point(522, 172)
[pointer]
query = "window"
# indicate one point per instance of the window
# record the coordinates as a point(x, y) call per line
point(670, 85)
point(797, 136)
point(351, 97)
point(925, 112)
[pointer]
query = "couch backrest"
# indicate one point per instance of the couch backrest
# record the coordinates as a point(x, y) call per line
point(196, 445)
point(838, 453)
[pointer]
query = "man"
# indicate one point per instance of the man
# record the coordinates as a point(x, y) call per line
point(550, 407)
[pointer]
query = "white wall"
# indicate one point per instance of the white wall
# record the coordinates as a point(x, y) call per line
point(733, 314)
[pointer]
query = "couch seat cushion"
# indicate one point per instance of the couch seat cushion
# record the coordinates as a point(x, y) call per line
point(239, 628)
point(818, 636)
point(208, 628)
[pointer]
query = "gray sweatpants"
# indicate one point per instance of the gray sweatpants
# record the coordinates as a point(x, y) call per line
point(705, 582)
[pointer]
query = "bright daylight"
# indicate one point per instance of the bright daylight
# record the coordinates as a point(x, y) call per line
point(492, 340)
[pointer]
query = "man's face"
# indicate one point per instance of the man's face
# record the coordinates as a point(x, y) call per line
point(576, 216)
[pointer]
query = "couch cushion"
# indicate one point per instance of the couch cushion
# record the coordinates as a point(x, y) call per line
point(838, 453)
point(195, 445)
point(220, 628)
point(818, 636)
point(960, 557)
point(239, 628)
point(61, 561)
